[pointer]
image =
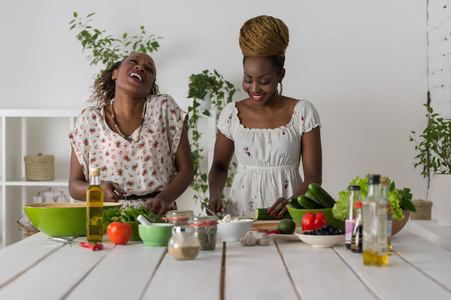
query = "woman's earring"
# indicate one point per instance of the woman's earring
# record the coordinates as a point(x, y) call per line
point(281, 89)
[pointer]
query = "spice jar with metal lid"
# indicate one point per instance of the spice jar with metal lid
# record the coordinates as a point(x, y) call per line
point(183, 245)
point(178, 217)
point(205, 228)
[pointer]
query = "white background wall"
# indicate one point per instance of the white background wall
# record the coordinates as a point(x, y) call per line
point(363, 64)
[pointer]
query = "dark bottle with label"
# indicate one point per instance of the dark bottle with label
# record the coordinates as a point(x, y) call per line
point(356, 240)
point(351, 214)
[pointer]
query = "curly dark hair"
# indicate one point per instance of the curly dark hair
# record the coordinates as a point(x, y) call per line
point(103, 89)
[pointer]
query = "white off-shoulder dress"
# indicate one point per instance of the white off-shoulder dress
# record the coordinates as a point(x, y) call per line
point(268, 159)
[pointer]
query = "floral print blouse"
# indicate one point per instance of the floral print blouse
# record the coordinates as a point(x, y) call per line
point(143, 167)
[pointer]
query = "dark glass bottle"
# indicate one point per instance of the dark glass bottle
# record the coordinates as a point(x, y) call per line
point(356, 240)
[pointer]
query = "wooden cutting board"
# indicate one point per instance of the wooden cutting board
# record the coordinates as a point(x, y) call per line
point(261, 224)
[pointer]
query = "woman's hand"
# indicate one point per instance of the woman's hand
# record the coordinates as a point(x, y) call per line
point(109, 195)
point(279, 208)
point(159, 206)
point(215, 205)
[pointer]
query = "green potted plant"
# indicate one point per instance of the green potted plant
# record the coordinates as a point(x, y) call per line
point(220, 91)
point(106, 49)
point(434, 156)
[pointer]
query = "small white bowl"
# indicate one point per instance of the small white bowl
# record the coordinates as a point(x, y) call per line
point(321, 240)
point(233, 231)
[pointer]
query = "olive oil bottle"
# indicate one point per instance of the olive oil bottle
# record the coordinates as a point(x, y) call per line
point(374, 214)
point(94, 207)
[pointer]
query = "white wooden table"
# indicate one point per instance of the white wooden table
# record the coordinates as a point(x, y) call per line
point(37, 268)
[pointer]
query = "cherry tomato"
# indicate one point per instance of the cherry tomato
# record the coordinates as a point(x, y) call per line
point(308, 221)
point(119, 233)
point(320, 220)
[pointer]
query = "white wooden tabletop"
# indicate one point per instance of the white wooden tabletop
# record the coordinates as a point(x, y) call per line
point(38, 268)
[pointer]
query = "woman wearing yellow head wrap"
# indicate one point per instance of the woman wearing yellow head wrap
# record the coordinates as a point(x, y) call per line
point(270, 133)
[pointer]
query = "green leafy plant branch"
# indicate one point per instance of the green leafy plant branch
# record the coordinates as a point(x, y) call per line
point(221, 91)
point(106, 49)
point(434, 146)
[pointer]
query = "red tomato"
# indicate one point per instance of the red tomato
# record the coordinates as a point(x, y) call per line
point(320, 220)
point(307, 221)
point(119, 233)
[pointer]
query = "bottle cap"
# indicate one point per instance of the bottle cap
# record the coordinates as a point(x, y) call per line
point(358, 205)
point(383, 180)
point(94, 171)
point(373, 179)
point(354, 187)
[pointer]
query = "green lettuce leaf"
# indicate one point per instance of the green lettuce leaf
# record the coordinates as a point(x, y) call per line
point(394, 196)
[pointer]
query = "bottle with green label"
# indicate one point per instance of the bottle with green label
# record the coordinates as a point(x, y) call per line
point(94, 207)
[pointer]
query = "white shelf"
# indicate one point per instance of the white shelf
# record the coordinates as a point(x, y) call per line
point(61, 182)
point(29, 132)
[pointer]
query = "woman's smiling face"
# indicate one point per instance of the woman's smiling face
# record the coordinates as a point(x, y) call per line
point(260, 79)
point(136, 75)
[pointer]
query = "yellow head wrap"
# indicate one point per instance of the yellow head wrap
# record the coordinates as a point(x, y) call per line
point(264, 36)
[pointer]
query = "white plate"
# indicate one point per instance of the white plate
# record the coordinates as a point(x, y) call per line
point(320, 240)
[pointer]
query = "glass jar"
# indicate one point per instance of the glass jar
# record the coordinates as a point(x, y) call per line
point(183, 245)
point(205, 228)
point(178, 217)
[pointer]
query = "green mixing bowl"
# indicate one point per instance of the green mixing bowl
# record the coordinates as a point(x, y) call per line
point(60, 219)
point(297, 215)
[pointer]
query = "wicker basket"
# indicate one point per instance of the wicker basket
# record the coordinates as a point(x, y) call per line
point(39, 167)
point(423, 210)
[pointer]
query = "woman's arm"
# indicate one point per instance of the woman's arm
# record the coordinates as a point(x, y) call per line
point(181, 181)
point(223, 153)
point(312, 167)
point(78, 184)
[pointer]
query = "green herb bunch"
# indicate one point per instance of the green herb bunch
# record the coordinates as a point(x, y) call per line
point(435, 145)
point(129, 214)
point(106, 49)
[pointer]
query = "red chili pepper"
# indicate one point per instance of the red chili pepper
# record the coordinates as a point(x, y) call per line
point(275, 231)
point(308, 221)
point(320, 220)
point(97, 246)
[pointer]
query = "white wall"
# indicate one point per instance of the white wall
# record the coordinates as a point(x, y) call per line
point(362, 63)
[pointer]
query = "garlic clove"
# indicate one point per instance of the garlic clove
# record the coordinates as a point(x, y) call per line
point(263, 240)
point(248, 239)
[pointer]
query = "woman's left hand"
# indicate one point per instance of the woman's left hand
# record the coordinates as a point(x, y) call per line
point(158, 206)
point(279, 208)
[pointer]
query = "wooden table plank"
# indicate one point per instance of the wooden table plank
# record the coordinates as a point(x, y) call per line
point(431, 231)
point(188, 279)
point(55, 275)
point(122, 274)
point(17, 258)
point(427, 257)
point(319, 273)
point(397, 280)
point(256, 272)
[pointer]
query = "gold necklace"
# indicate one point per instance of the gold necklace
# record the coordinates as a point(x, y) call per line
point(140, 124)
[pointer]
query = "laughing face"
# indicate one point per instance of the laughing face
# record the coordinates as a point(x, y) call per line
point(135, 75)
point(261, 79)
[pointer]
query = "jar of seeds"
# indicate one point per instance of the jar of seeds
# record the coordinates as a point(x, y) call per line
point(205, 228)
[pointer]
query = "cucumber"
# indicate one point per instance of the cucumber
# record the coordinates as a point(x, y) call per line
point(263, 214)
point(294, 203)
point(307, 202)
point(321, 196)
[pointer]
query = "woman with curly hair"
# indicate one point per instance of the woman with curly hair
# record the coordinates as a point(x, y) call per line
point(136, 136)
point(269, 133)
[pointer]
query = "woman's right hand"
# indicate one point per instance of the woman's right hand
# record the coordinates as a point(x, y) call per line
point(108, 188)
point(215, 205)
